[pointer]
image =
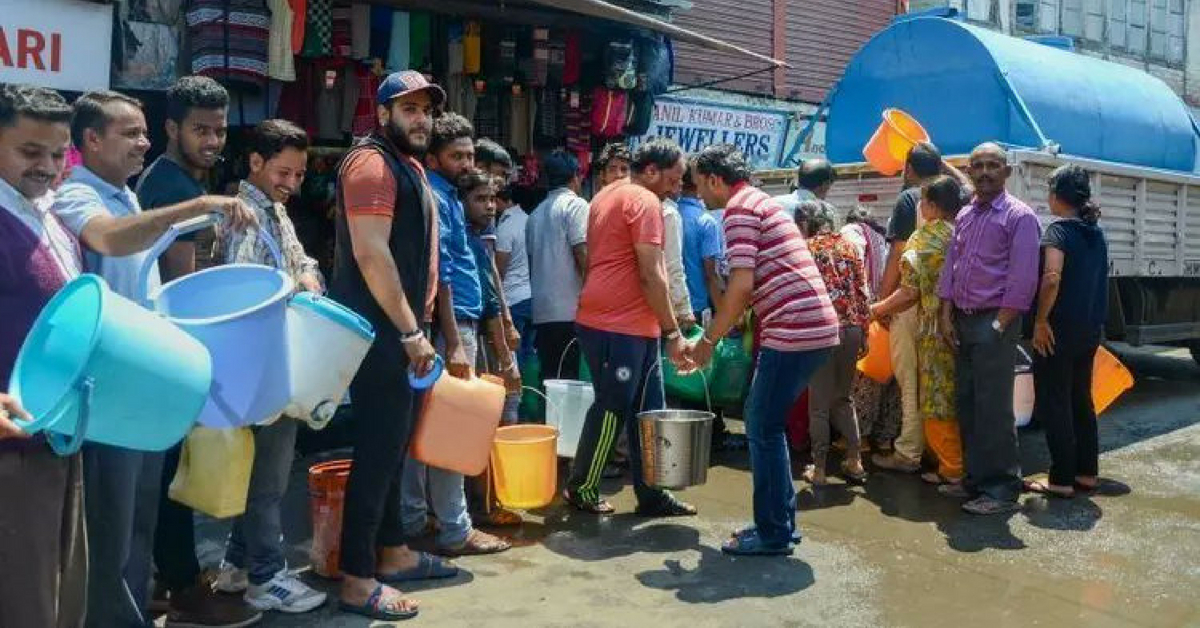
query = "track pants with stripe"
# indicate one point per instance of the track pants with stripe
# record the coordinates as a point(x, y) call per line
point(627, 380)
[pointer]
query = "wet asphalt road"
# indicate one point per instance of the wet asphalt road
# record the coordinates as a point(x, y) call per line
point(891, 553)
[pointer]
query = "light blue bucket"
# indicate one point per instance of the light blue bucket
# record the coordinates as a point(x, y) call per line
point(239, 313)
point(99, 367)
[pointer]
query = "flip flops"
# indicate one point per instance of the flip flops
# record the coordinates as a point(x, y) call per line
point(598, 507)
point(477, 543)
point(985, 505)
point(796, 537)
point(852, 477)
point(668, 506)
point(1043, 488)
point(375, 609)
point(428, 567)
point(750, 544)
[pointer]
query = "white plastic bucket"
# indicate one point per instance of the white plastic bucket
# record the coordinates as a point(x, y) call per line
point(567, 404)
point(326, 344)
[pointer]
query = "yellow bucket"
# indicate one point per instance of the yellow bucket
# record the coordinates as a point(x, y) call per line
point(889, 146)
point(525, 465)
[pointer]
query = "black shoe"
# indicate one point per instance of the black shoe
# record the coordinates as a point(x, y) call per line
point(667, 506)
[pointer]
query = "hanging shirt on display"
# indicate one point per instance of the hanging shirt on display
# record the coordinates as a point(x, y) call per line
point(280, 65)
point(339, 33)
point(398, 49)
point(419, 29)
point(229, 39)
point(318, 33)
point(360, 30)
point(299, 18)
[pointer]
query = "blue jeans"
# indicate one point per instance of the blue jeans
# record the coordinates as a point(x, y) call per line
point(256, 542)
point(424, 488)
point(522, 315)
point(780, 378)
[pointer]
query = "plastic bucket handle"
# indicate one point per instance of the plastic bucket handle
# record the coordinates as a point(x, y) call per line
point(182, 228)
point(423, 382)
point(63, 445)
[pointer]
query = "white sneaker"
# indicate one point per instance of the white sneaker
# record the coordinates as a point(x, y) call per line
point(231, 579)
point(285, 593)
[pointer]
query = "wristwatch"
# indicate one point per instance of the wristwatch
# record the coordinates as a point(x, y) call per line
point(996, 326)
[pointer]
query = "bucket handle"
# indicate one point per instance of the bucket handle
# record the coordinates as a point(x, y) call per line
point(427, 380)
point(182, 228)
point(61, 444)
point(562, 359)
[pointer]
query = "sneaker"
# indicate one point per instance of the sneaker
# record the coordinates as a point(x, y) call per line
point(231, 579)
point(285, 593)
point(202, 607)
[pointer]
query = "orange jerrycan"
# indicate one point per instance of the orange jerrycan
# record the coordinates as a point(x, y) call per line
point(1110, 378)
point(458, 421)
point(889, 146)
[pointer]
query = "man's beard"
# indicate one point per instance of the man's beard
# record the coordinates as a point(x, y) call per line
point(399, 137)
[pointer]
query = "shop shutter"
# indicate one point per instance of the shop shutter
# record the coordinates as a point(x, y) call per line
point(822, 36)
point(746, 23)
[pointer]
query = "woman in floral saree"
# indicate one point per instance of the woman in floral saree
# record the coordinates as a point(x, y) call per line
point(920, 268)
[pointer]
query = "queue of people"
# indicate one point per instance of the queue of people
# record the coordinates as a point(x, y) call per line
point(434, 250)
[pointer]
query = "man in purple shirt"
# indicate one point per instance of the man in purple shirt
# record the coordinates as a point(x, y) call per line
point(987, 283)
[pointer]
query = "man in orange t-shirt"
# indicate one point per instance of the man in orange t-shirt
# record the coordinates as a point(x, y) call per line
point(623, 310)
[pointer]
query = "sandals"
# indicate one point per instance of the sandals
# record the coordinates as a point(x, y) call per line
point(985, 505)
point(428, 567)
point(668, 506)
point(750, 544)
point(598, 507)
point(499, 518)
point(796, 538)
point(810, 476)
point(858, 478)
point(1044, 488)
point(477, 544)
point(379, 609)
point(956, 490)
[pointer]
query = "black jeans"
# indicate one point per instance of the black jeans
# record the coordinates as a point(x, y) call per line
point(553, 340)
point(1063, 383)
point(384, 412)
point(175, 533)
point(985, 366)
point(627, 380)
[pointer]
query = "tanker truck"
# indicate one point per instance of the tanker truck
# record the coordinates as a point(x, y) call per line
point(1049, 106)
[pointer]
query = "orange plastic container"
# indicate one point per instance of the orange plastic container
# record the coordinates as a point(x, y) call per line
point(889, 146)
point(877, 364)
point(458, 423)
point(525, 465)
point(326, 494)
point(1110, 378)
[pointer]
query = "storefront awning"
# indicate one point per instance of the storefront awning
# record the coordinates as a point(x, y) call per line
point(609, 11)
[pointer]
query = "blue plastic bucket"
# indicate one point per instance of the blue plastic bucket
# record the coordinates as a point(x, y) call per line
point(98, 367)
point(239, 313)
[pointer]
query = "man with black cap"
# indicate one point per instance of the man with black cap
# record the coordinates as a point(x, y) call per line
point(386, 269)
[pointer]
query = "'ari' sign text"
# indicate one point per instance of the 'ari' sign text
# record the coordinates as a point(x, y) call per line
point(63, 44)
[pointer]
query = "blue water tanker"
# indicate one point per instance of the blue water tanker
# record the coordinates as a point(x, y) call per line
point(967, 85)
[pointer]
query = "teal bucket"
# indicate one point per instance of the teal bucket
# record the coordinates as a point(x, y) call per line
point(98, 367)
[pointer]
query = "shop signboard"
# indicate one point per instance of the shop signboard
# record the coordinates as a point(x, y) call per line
point(695, 124)
point(62, 44)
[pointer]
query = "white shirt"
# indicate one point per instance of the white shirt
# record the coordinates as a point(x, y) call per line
point(510, 239)
point(36, 215)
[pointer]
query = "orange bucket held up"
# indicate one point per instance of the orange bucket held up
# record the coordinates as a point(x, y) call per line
point(326, 494)
point(1110, 378)
point(877, 364)
point(525, 465)
point(895, 137)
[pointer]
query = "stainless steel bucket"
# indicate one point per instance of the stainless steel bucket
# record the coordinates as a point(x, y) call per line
point(675, 446)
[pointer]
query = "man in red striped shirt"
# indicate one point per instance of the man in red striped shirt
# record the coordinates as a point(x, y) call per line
point(771, 269)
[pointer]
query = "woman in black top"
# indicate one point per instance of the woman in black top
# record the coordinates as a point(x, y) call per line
point(1071, 309)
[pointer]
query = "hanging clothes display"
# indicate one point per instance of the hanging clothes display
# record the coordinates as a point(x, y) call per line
point(419, 35)
point(318, 33)
point(360, 30)
point(230, 39)
point(381, 31)
point(472, 48)
point(339, 33)
point(280, 65)
point(398, 49)
point(299, 19)
point(364, 110)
